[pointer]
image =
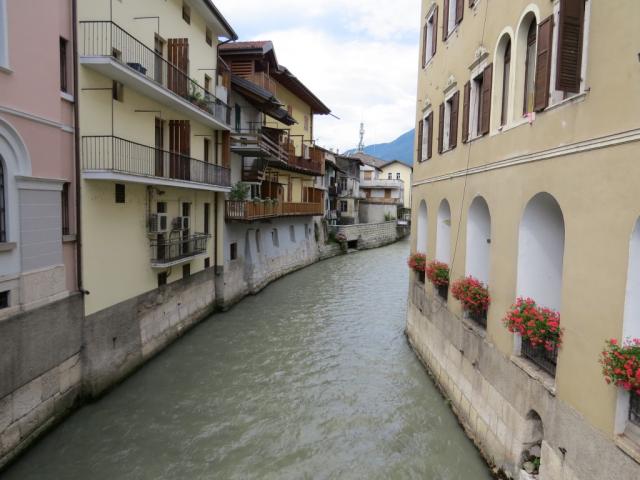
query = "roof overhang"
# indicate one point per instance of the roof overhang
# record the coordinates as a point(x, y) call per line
point(209, 11)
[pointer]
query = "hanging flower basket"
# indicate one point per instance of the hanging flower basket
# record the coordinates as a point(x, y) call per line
point(417, 262)
point(438, 274)
point(473, 295)
point(539, 326)
point(621, 364)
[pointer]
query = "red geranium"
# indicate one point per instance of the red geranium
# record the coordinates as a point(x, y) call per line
point(417, 262)
point(438, 273)
point(539, 325)
point(472, 293)
point(621, 364)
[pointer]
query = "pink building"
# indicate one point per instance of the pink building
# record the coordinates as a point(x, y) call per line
point(40, 307)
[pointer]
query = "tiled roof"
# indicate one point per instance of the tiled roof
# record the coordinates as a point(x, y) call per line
point(370, 160)
point(254, 44)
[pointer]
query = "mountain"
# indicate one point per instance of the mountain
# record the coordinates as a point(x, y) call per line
point(400, 149)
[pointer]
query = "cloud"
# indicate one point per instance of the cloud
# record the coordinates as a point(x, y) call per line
point(360, 57)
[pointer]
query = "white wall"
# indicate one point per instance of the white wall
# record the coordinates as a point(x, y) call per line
point(479, 240)
point(541, 251)
point(422, 228)
point(631, 326)
point(443, 233)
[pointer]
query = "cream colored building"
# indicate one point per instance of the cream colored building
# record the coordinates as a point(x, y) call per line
point(397, 170)
point(526, 178)
point(154, 156)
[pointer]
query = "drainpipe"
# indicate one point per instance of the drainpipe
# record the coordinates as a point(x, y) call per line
point(76, 121)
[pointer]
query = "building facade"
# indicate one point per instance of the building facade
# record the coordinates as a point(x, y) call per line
point(40, 306)
point(530, 188)
point(348, 193)
point(397, 170)
point(382, 196)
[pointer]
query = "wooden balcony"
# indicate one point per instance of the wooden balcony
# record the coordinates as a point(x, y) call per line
point(263, 80)
point(382, 200)
point(261, 142)
point(249, 211)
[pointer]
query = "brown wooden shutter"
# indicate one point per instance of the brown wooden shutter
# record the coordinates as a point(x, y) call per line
point(459, 11)
point(178, 54)
point(180, 147)
point(424, 44)
point(226, 149)
point(445, 19)
point(430, 137)
point(420, 139)
point(441, 128)
point(543, 64)
point(570, 38)
point(453, 126)
point(485, 119)
point(466, 107)
point(434, 39)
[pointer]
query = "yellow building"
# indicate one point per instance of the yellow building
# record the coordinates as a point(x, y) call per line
point(399, 171)
point(525, 178)
point(154, 145)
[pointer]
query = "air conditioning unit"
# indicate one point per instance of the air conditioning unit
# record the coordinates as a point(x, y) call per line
point(181, 223)
point(158, 223)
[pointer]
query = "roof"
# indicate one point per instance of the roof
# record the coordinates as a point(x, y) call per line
point(223, 21)
point(279, 72)
point(370, 160)
point(397, 161)
point(262, 99)
point(351, 159)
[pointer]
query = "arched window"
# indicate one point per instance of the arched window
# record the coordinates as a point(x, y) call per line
point(530, 68)
point(422, 228)
point(3, 213)
point(443, 233)
point(478, 240)
point(524, 56)
point(631, 325)
point(506, 74)
point(541, 251)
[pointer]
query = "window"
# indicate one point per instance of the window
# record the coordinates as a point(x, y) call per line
point(292, 233)
point(274, 237)
point(453, 12)
point(186, 270)
point(207, 83)
point(207, 208)
point(4, 299)
point(344, 206)
point(208, 35)
point(117, 91)
point(64, 74)
point(477, 105)
point(504, 113)
point(3, 213)
point(571, 33)
point(530, 68)
point(425, 135)
point(429, 40)
point(342, 184)
point(120, 193)
point(238, 112)
point(207, 263)
point(367, 175)
point(161, 207)
point(398, 176)
point(233, 251)
point(390, 176)
point(186, 13)
point(66, 230)
point(448, 127)
point(162, 279)
point(207, 149)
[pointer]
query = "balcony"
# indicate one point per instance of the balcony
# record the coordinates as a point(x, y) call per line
point(116, 159)
point(540, 356)
point(248, 210)
point(312, 163)
point(381, 200)
point(174, 251)
point(114, 53)
point(382, 183)
point(260, 142)
point(262, 80)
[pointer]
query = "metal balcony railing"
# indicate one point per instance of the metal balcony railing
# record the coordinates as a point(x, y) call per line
point(540, 356)
point(109, 153)
point(167, 251)
point(104, 38)
point(260, 142)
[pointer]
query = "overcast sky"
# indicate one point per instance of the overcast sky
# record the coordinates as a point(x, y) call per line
point(360, 57)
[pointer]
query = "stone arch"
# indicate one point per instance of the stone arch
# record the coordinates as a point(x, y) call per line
point(541, 251)
point(422, 232)
point(478, 240)
point(530, 17)
point(631, 323)
point(533, 437)
point(504, 79)
point(443, 233)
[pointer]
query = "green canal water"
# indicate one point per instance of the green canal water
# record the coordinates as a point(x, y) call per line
point(312, 378)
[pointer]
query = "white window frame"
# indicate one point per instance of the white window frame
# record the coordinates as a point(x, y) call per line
point(475, 98)
point(556, 97)
point(425, 135)
point(398, 176)
point(4, 37)
point(432, 36)
point(446, 131)
point(453, 6)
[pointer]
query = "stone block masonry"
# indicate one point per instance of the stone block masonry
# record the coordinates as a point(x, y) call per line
point(503, 405)
point(371, 235)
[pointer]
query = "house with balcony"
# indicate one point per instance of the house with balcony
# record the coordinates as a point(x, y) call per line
point(278, 173)
point(155, 168)
point(383, 196)
point(525, 178)
point(347, 190)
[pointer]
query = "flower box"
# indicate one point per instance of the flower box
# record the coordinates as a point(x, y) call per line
point(543, 358)
point(474, 297)
point(438, 274)
point(443, 291)
point(621, 367)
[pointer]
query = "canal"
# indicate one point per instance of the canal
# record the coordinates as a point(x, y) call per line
point(312, 378)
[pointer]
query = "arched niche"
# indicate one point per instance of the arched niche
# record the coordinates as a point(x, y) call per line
point(478, 240)
point(422, 227)
point(503, 80)
point(443, 233)
point(631, 325)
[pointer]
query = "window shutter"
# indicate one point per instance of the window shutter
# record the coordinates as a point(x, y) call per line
point(420, 139)
point(445, 20)
point(441, 129)
point(424, 44)
point(466, 106)
point(459, 11)
point(570, 38)
point(485, 120)
point(430, 136)
point(434, 36)
point(543, 64)
point(453, 126)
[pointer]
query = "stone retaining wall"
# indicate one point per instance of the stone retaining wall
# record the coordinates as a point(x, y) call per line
point(371, 235)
